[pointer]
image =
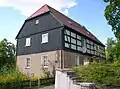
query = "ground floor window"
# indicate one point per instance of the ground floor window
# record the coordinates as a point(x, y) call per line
point(44, 61)
point(27, 62)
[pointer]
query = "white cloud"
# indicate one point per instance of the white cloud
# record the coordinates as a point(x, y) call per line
point(27, 7)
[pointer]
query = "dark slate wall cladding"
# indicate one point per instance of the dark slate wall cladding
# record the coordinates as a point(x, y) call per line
point(46, 22)
point(54, 43)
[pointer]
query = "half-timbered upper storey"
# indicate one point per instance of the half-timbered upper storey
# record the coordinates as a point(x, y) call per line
point(48, 30)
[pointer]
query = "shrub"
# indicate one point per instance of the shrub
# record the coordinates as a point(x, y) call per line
point(8, 74)
point(102, 74)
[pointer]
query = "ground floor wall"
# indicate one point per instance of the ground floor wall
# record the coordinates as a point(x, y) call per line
point(48, 61)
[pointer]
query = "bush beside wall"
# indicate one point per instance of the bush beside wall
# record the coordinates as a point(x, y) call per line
point(104, 75)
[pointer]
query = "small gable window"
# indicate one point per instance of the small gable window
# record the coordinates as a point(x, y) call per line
point(28, 43)
point(45, 38)
point(37, 21)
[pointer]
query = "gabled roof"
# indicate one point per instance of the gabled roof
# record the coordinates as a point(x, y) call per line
point(65, 21)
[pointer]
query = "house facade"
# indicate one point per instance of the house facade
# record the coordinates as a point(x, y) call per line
point(48, 39)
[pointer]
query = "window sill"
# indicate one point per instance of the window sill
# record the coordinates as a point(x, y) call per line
point(27, 45)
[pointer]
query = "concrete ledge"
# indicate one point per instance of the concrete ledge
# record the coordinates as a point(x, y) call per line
point(87, 84)
point(63, 70)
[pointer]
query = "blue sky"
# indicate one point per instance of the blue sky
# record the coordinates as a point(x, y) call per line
point(89, 13)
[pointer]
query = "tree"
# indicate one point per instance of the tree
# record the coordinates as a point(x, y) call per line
point(110, 49)
point(7, 53)
point(112, 15)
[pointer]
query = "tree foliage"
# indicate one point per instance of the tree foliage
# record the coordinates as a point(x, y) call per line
point(7, 53)
point(110, 49)
point(113, 50)
point(112, 15)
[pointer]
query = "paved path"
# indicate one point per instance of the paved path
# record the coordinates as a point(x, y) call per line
point(48, 87)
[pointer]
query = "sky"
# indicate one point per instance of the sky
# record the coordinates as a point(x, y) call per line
point(89, 13)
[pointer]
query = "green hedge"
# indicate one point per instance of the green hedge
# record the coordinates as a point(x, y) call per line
point(104, 75)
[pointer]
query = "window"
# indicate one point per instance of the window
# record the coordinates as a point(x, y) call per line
point(73, 46)
point(67, 45)
point(88, 51)
point(67, 32)
point(73, 35)
point(88, 41)
point(45, 38)
point(79, 43)
point(67, 38)
point(44, 61)
point(79, 48)
point(73, 40)
point(27, 62)
point(78, 37)
point(27, 42)
point(92, 47)
point(37, 21)
point(88, 46)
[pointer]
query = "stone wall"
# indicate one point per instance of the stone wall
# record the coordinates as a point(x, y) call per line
point(66, 79)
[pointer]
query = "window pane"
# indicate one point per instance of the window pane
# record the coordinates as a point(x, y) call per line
point(92, 52)
point(88, 41)
point(73, 34)
point(88, 46)
point(45, 38)
point(94, 47)
point(91, 47)
point(73, 46)
point(27, 42)
point(79, 37)
point(67, 32)
point(88, 51)
point(73, 40)
point(79, 43)
point(79, 48)
point(91, 43)
point(44, 61)
point(95, 53)
point(67, 45)
point(67, 38)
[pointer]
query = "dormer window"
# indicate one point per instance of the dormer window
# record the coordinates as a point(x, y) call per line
point(37, 21)
point(27, 42)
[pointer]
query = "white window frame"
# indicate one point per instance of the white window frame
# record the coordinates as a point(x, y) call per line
point(28, 42)
point(37, 21)
point(44, 38)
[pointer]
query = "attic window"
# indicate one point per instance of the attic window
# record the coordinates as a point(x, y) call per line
point(37, 21)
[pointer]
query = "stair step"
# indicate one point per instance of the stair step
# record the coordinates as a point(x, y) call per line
point(71, 73)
